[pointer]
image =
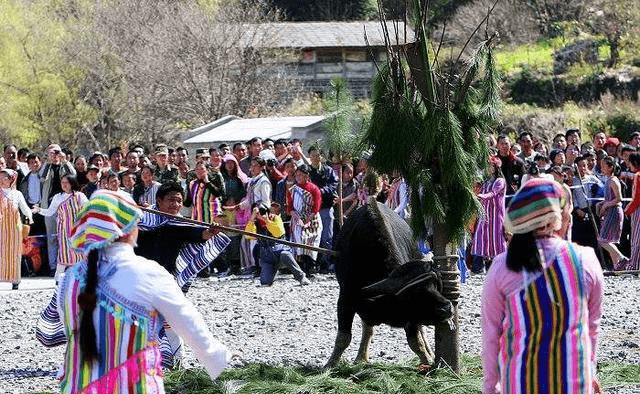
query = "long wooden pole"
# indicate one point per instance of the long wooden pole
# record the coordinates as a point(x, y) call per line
point(239, 231)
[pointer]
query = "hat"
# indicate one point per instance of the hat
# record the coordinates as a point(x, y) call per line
point(107, 216)
point(612, 141)
point(535, 205)
point(162, 150)
point(54, 148)
point(93, 167)
point(9, 172)
point(267, 154)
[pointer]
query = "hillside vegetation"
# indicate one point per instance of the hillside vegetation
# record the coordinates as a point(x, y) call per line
point(96, 74)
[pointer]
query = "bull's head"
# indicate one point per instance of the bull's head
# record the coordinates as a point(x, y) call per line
point(412, 292)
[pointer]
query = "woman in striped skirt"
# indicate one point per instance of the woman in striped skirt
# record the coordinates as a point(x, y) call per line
point(541, 303)
point(65, 206)
point(12, 203)
point(633, 211)
point(109, 309)
point(610, 212)
point(203, 195)
point(488, 240)
point(303, 205)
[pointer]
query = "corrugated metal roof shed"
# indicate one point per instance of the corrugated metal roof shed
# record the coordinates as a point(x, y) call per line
point(245, 129)
point(329, 34)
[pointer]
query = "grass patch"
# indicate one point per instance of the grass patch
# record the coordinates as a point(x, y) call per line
point(536, 56)
point(616, 374)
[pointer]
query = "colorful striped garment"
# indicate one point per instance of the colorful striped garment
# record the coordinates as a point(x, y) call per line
point(634, 259)
point(488, 239)
point(126, 339)
point(398, 197)
point(306, 226)
point(633, 210)
point(545, 346)
point(611, 227)
point(10, 240)
point(192, 258)
point(67, 211)
point(206, 205)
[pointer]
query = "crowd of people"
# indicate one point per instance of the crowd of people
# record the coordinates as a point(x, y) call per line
point(600, 178)
point(226, 185)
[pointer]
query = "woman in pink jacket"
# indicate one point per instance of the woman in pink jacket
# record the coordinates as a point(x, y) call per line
point(541, 303)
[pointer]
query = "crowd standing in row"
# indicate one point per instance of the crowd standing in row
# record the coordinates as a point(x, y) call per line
point(227, 184)
point(223, 185)
point(601, 179)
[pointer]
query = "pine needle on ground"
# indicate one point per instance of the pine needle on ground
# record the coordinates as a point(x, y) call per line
point(371, 378)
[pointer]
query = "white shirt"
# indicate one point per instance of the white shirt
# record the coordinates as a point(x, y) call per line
point(59, 199)
point(146, 283)
point(18, 199)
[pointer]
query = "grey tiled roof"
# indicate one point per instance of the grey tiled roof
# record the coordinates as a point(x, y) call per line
point(329, 34)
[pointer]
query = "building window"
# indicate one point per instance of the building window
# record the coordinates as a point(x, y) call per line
point(329, 55)
point(308, 56)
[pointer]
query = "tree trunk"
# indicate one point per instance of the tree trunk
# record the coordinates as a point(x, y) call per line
point(446, 335)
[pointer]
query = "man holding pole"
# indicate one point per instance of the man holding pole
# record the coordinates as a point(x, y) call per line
point(181, 248)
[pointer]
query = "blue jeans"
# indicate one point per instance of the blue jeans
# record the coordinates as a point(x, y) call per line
point(270, 261)
point(326, 238)
point(50, 223)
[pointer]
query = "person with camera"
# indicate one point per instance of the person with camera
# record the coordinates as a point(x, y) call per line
point(50, 178)
point(272, 255)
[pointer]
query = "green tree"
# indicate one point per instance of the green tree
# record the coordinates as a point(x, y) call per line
point(618, 21)
point(38, 90)
point(429, 124)
point(343, 129)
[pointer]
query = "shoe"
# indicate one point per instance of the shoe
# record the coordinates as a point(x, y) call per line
point(248, 273)
point(223, 274)
point(621, 264)
point(14, 286)
point(304, 281)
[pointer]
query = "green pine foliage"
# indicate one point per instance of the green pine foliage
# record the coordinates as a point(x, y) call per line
point(364, 378)
point(430, 126)
point(345, 378)
point(341, 137)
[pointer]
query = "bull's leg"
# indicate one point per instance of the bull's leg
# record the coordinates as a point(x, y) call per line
point(417, 343)
point(363, 351)
point(346, 312)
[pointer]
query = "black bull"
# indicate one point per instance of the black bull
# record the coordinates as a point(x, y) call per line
point(384, 279)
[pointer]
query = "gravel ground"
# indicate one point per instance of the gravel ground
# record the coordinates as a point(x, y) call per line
point(285, 324)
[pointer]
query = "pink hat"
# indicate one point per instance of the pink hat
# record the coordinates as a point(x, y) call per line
point(612, 141)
